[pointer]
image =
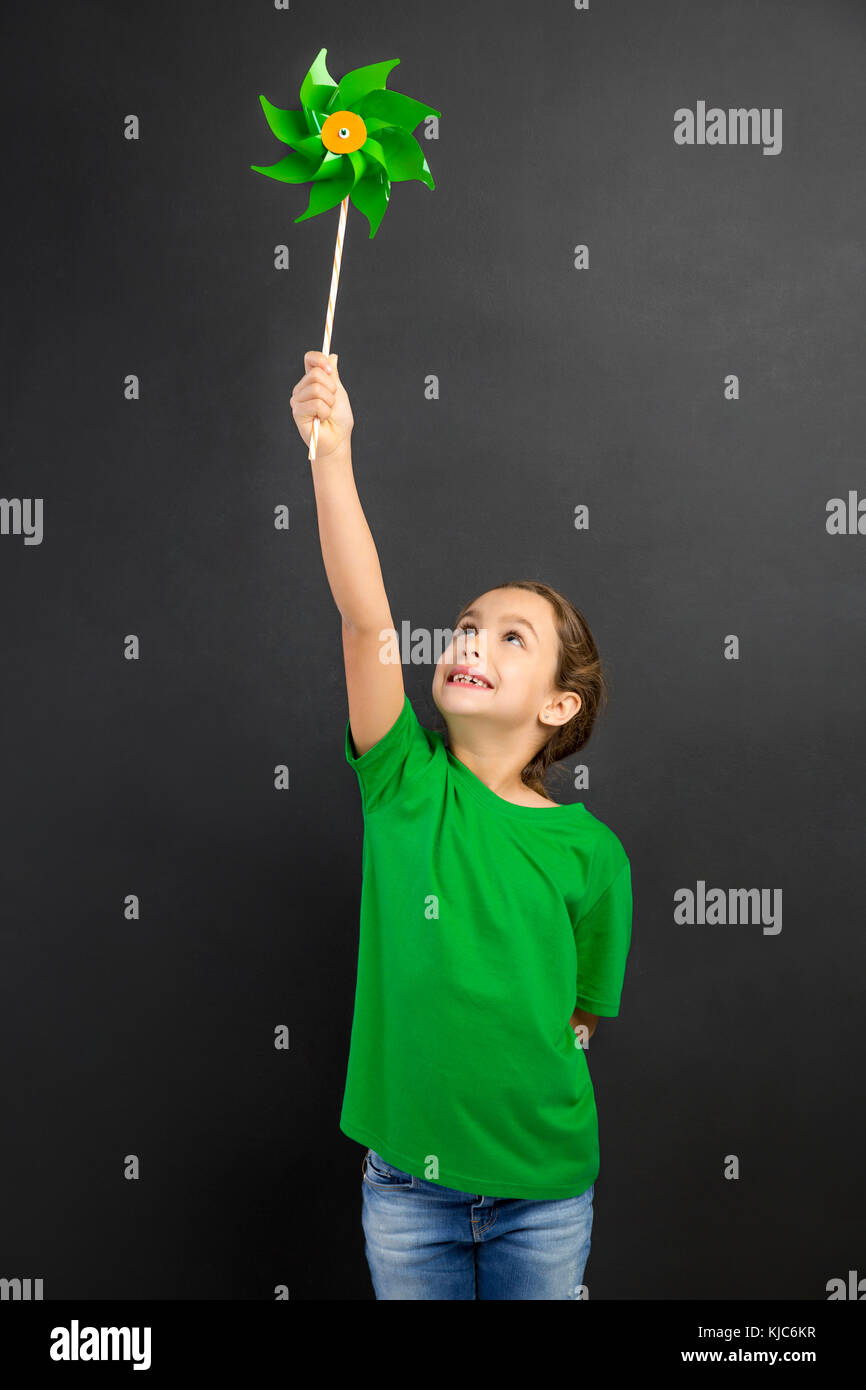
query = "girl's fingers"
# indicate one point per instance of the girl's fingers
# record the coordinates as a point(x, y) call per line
point(318, 374)
point(305, 391)
point(314, 406)
point(312, 357)
point(314, 393)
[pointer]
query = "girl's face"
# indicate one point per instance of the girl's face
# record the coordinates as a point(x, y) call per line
point(508, 640)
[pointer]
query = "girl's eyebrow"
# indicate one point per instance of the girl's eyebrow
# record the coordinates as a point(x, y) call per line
point(505, 618)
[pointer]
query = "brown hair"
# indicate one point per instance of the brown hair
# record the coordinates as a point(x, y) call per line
point(578, 669)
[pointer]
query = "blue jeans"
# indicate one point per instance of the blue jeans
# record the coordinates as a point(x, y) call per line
point(424, 1240)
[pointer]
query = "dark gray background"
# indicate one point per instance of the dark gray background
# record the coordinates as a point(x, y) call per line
point(557, 387)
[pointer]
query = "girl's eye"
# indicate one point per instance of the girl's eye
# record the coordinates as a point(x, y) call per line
point(470, 627)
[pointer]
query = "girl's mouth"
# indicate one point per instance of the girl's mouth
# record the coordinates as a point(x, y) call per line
point(468, 678)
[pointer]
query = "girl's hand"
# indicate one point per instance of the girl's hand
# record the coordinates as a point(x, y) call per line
point(321, 393)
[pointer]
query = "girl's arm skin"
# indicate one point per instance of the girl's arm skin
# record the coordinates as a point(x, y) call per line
point(375, 688)
point(581, 1016)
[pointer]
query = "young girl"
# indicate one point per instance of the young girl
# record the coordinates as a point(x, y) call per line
point(495, 923)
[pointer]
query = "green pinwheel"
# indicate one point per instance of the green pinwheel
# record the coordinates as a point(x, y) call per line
point(350, 138)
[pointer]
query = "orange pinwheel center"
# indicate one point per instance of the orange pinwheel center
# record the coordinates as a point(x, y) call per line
point(343, 132)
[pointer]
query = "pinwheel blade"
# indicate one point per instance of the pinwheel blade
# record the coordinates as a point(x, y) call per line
point(328, 193)
point(372, 151)
point(404, 157)
point(359, 83)
point(395, 109)
point(333, 166)
point(292, 168)
point(370, 196)
point(312, 148)
point(288, 126)
point(318, 86)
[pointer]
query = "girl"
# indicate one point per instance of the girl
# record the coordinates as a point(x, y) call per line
point(495, 923)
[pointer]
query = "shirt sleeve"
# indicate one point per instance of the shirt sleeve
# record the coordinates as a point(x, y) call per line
point(603, 937)
point(391, 765)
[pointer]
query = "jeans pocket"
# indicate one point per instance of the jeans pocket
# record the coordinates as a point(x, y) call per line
point(378, 1172)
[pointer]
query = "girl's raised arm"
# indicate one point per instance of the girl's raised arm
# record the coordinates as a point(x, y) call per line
point(374, 686)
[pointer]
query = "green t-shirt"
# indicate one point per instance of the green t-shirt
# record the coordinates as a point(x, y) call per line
point(483, 925)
